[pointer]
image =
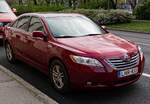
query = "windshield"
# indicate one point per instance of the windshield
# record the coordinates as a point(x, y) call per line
point(4, 7)
point(75, 26)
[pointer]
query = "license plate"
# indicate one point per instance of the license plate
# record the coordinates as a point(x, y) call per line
point(128, 72)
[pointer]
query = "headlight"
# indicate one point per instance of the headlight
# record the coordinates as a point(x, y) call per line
point(86, 61)
point(140, 50)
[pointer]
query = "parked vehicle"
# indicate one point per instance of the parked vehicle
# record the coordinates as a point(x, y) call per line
point(73, 51)
point(6, 16)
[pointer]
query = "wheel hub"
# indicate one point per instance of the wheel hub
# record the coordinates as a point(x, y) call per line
point(57, 77)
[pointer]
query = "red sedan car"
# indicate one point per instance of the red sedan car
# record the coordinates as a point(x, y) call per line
point(73, 51)
point(6, 16)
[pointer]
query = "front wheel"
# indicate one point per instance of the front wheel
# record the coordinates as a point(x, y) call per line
point(9, 53)
point(59, 77)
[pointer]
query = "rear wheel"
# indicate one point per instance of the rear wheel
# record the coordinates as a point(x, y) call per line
point(9, 53)
point(1, 42)
point(59, 77)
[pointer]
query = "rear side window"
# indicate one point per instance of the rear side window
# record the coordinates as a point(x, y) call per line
point(14, 25)
point(35, 25)
point(23, 23)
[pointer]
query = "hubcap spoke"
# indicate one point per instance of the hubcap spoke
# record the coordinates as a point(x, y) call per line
point(57, 76)
point(9, 52)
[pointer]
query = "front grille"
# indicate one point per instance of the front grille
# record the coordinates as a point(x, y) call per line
point(120, 64)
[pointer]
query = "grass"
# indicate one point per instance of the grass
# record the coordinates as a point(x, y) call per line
point(137, 26)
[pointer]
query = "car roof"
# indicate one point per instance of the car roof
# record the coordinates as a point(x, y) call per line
point(52, 14)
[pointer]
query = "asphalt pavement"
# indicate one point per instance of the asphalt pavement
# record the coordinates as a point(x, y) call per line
point(138, 93)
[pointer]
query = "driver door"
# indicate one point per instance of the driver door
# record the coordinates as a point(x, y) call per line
point(38, 50)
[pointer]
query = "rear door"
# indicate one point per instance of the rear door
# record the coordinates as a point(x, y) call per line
point(19, 35)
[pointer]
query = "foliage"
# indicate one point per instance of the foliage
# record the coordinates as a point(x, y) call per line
point(95, 4)
point(38, 8)
point(104, 17)
point(142, 11)
point(87, 4)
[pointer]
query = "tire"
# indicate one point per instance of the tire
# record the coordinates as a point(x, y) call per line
point(9, 53)
point(59, 77)
point(1, 42)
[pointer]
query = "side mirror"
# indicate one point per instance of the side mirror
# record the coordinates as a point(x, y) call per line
point(38, 34)
point(14, 10)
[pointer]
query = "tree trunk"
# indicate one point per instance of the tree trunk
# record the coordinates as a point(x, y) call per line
point(47, 2)
point(70, 3)
point(20, 2)
point(114, 3)
point(133, 3)
point(35, 2)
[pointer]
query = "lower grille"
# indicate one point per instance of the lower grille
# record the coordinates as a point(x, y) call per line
point(120, 64)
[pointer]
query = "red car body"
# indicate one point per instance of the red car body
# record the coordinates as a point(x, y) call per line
point(105, 48)
point(6, 16)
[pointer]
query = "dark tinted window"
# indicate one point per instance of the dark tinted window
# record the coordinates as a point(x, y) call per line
point(35, 25)
point(14, 24)
point(23, 23)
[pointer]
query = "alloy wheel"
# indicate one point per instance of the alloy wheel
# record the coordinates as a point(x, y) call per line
point(9, 52)
point(58, 76)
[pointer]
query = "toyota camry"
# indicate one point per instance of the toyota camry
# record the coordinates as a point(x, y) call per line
point(73, 51)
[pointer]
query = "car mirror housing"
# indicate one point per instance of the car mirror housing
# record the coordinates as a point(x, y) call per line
point(38, 34)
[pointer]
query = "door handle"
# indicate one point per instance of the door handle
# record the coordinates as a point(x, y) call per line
point(29, 39)
point(49, 46)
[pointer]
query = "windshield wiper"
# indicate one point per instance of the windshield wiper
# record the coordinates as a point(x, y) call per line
point(92, 34)
point(2, 12)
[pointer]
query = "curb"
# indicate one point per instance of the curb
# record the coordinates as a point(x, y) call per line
point(37, 93)
point(134, 31)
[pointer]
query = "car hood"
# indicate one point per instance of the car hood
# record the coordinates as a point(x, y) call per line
point(107, 45)
point(7, 17)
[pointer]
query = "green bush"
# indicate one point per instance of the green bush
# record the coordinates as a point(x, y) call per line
point(142, 11)
point(104, 17)
point(38, 8)
point(94, 4)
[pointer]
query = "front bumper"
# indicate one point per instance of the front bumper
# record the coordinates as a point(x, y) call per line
point(93, 77)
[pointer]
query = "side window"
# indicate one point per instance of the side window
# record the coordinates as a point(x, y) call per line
point(15, 24)
point(23, 23)
point(35, 25)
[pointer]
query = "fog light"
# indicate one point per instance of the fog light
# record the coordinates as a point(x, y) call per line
point(89, 83)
